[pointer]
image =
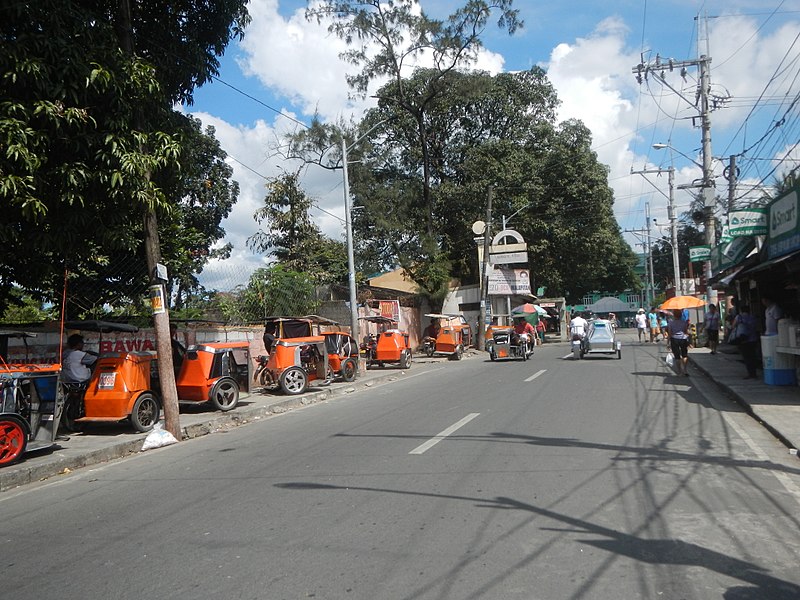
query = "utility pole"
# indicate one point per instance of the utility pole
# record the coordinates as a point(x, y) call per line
point(658, 68)
point(644, 245)
point(650, 253)
point(673, 225)
point(484, 290)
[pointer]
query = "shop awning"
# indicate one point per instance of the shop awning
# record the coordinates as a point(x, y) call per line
point(768, 264)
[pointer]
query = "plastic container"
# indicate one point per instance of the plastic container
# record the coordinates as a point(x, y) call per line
point(779, 367)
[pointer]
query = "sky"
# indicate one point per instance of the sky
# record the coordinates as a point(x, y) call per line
point(286, 69)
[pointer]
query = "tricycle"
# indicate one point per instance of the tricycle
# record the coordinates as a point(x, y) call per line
point(506, 343)
point(387, 345)
point(454, 336)
point(31, 402)
point(599, 339)
point(295, 355)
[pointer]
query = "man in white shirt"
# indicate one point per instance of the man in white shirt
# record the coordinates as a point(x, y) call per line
point(641, 325)
point(76, 364)
point(578, 326)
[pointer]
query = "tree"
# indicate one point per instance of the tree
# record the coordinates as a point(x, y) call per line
point(78, 161)
point(269, 292)
point(499, 131)
point(403, 35)
point(292, 237)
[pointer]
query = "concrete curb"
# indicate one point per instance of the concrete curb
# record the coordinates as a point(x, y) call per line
point(741, 401)
point(25, 473)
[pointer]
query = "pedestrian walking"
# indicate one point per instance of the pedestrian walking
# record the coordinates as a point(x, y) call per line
point(641, 325)
point(745, 335)
point(652, 320)
point(711, 327)
point(662, 324)
point(679, 342)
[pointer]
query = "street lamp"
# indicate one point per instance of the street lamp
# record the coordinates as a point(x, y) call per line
point(348, 222)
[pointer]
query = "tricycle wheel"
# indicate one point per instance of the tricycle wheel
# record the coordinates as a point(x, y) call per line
point(524, 349)
point(13, 439)
point(145, 413)
point(349, 369)
point(294, 380)
point(619, 354)
point(405, 359)
point(71, 411)
point(225, 394)
point(492, 355)
point(458, 353)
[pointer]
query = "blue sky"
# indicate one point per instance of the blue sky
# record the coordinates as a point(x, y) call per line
point(588, 48)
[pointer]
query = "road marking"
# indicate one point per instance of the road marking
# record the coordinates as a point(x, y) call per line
point(566, 356)
point(439, 437)
point(535, 375)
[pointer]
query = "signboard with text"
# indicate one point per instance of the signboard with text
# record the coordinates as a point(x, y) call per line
point(509, 282)
point(699, 253)
point(784, 232)
point(746, 222)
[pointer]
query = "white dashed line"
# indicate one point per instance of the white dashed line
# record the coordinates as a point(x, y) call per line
point(535, 375)
point(438, 438)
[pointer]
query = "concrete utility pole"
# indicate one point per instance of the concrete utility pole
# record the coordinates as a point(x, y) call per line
point(644, 234)
point(484, 290)
point(658, 68)
point(650, 252)
point(673, 224)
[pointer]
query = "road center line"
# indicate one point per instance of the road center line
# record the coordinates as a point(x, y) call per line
point(439, 437)
point(535, 375)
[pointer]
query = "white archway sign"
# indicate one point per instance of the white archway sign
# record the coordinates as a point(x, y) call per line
point(507, 233)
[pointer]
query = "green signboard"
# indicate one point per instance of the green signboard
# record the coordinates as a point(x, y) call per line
point(784, 226)
point(747, 221)
point(699, 253)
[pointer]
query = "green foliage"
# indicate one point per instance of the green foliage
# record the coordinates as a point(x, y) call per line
point(486, 131)
point(274, 291)
point(25, 309)
point(88, 132)
point(292, 237)
point(384, 40)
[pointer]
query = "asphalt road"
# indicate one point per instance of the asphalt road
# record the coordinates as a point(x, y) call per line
point(547, 479)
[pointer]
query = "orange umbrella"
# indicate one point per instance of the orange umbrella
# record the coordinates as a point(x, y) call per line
point(679, 302)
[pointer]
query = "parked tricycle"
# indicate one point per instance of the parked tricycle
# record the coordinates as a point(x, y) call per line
point(215, 372)
point(343, 354)
point(296, 356)
point(599, 339)
point(505, 343)
point(31, 402)
point(388, 346)
point(455, 336)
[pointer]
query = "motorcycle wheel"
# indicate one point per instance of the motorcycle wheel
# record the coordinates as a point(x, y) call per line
point(349, 369)
point(294, 380)
point(13, 439)
point(429, 350)
point(225, 394)
point(145, 413)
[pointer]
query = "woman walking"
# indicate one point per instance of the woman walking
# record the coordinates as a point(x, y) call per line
point(678, 329)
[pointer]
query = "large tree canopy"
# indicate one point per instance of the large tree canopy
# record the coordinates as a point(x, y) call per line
point(89, 136)
point(486, 131)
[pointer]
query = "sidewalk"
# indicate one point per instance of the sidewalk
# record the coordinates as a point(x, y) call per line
point(777, 407)
point(103, 442)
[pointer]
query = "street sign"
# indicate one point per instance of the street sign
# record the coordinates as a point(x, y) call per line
point(699, 253)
